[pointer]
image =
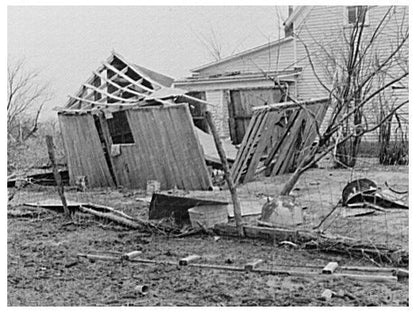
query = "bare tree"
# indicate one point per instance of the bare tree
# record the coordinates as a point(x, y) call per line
point(361, 75)
point(212, 43)
point(26, 96)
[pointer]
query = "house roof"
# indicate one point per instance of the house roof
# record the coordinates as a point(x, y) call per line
point(241, 54)
point(130, 84)
point(157, 77)
point(286, 75)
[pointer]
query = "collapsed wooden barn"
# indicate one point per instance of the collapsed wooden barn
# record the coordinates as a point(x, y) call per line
point(126, 127)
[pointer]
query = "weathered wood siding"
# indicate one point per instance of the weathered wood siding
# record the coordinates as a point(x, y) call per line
point(84, 154)
point(166, 149)
point(277, 56)
point(322, 30)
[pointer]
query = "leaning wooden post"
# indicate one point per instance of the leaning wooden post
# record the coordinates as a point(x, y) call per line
point(231, 186)
point(57, 176)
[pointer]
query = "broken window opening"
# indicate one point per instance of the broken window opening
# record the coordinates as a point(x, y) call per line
point(289, 30)
point(120, 129)
point(357, 14)
point(198, 111)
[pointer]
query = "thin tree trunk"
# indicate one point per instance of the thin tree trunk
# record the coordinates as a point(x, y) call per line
point(56, 174)
point(231, 186)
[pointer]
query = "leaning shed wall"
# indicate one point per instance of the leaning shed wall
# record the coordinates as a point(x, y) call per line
point(84, 153)
point(165, 149)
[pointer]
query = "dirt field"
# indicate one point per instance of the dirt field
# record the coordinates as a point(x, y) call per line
point(43, 269)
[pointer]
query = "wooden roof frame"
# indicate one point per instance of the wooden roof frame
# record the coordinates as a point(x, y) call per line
point(86, 97)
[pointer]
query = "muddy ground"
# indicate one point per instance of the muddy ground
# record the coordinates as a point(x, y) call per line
point(43, 269)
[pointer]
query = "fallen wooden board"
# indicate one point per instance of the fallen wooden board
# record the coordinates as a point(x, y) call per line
point(314, 274)
point(56, 205)
point(265, 233)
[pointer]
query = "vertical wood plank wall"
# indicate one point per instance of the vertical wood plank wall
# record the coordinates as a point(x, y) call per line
point(166, 149)
point(85, 156)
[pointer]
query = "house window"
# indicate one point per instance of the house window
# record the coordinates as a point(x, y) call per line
point(289, 30)
point(357, 14)
point(120, 129)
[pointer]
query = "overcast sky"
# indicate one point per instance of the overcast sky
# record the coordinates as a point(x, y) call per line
point(68, 43)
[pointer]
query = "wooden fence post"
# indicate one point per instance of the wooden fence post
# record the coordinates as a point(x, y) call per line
point(231, 186)
point(56, 174)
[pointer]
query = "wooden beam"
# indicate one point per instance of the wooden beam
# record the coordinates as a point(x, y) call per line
point(90, 80)
point(197, 100)
point(286, 105)
point(135, 83)
point(101, 104)
point(125, 89)
point(115, 70)
point(109, 94)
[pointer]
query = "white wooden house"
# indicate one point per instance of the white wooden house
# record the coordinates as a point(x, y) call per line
point(236, 83)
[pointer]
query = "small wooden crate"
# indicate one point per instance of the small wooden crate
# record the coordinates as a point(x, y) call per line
point(208, 215)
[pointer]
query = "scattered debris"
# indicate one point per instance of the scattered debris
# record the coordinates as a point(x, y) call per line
point(45, 178)
point(282, 212)
point(326, 294)
point(401, 274)
point(152, 187)
point(358, 186)
point(253, 264)
point(142, 289)
point(165, 205)
point(287, 243)
point(131, 255)
point(363, 193)
point(188, 259)
point(251, 267)
point(330, 268)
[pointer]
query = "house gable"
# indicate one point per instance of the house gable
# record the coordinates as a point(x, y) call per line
point(273, 56)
